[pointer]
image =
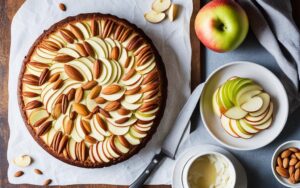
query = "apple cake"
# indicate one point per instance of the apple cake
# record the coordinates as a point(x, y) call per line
point(92, 90)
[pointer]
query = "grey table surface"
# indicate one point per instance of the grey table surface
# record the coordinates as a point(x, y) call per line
point(257, 162)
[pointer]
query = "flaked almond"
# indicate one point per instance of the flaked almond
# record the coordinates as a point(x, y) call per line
point(123, 141)
point(62, 6)
point(47, 182)
point(88, 49)
point(57, 84)
point(129, 74)
point(67, 35)
point(40, 122)
point(33, 104)
point(81, 109)
point(63, 58)
point(80, 48)
point(100, 100)
point(38, 171)
point(94, 27)
point(19, 174)
point(123, 111)
point(76, 31)
point(285, 162)
point(112, 89)
point(112, 106)
point(73, 115)
point(126, 64)
point(29, 94)
point(133, 91)
point(38, 64)
point(54, 77)
point(97, 68)
point(56, 111)
point(64, 104)
point(282, 172)
point(85, 126)
point(104, 113)
point(90, 139)
point(44, 76)
point(89, 85)
point(101, 123)
point(115, 53)
point(279, 161)
point(44, 128)
point(78, 95)
point(95, 92)
point(73, 73)
point(122, 120)
point(293, 161)
point(71, 94)
point(286, 153)
point(69, 127)
point(63, 143)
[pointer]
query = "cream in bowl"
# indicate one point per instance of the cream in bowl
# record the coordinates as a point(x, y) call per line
point(210, 170)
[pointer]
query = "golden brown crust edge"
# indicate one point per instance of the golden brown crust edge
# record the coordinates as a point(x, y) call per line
point(163, 85)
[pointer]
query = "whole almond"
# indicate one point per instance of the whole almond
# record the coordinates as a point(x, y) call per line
point(293, 161)
point(286, 153)
point(19, 173)
point(123, 111)
point(40, 122)
point(282, 172)
point(293, 149)
point(112, 106)
point(44, 76)
point(38, 64)
point(153, 75)
point(38, 171)
point(123, 141)
point(90, 116)
point(64, 104)
point(279, 161)
point(73, 73)
point(71, 94)
point(129, 74)
point(44, 128)
point(80, 48)
point(69, 127)
point(62, 6)
point(297, 175)
point(101, 123)
point(115, 53)
point(76, 31)
point(33, 104)
point(54, 77)
point(59, 98)
point(291, 169)
point(133, 91)
point(63, 58)
point(29, 94)
point(85, 126)
point(297, 165)
point(47, 182)
point(128, 60)
point(298, 155)
point(95, 92)
point(285, 162)
point(100, 100)
point(89, 85)
point(31, 77)
point(292, 179)
point(62, 143)
point(153, 85)
point(293, 156)
point(56, 111)
point(73, 115)
point(95, 109)
point(78, 95)
point(104, 113)
point(83, 151)
point(97, 68)
point(81, 109)
point(57, 84)
point(67, 35)
point(94, 27)
point(112, 89)
point(122, 120)
point(89, 49)
point(90, 139)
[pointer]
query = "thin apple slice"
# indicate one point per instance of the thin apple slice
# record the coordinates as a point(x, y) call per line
point(247, 93)
point(235, 113)
point(253, 121)
point(248, 127)
point(234, 124)
point(253, 104)
point(266, 102)
point(172, 12)
point(161, 5)
point(225, 122)
point(154, 17)
point(215, 104)
point(265, 125)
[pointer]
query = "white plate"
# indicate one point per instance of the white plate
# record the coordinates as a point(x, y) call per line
point(241, 179)
point(268, 81)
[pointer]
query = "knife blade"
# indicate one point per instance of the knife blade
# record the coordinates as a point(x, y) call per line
point(174, 137)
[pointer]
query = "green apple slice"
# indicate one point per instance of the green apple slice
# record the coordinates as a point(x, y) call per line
point(248, 127)
point(253, 104)
point(225, 122)
point(233, 84)
point(144, 117)
point(144, 129)
point(235, 113)
point(223, 96)
point(136, 133)
point(241, 84)
point(239, 130)
point(117, 130)
point(132, 140)
point(266, 102)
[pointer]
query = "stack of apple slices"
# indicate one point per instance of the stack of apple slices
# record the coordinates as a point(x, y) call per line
point(243, 107)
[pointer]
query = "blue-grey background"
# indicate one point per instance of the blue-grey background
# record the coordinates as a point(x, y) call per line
point(257, 163)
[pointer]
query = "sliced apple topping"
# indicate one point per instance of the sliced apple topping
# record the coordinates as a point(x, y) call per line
point(243, 107)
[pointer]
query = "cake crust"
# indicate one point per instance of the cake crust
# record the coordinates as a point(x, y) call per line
point(163, 89)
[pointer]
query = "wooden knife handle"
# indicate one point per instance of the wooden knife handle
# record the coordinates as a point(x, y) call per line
point(139, 182)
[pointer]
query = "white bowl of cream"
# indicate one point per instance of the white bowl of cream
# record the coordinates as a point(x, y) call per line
point(209, 170)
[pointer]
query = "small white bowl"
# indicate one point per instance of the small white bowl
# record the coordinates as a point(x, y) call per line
point(285, 145)
point(194, 158)
point(263, 77)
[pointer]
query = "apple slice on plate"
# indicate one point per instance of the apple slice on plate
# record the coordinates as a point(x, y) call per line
point(247, 93)
point(266, 103)
point(239, 130)
point(235, 113)
point(248, 127)
point(215, 104)
point(225, 122)
point(254, 121)
point(253, 104)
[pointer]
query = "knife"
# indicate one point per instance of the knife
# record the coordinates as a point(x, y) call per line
point(173, 139)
